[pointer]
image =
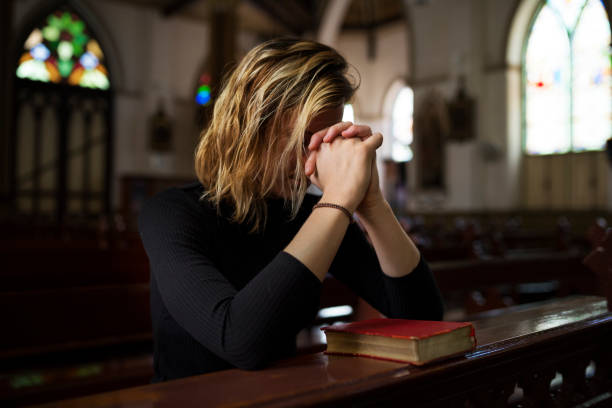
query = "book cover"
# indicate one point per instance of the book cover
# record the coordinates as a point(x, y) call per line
point(399, 328)
point(412, 341)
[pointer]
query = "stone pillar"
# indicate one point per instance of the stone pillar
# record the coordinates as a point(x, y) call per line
point(222, 48)
point(223, 41)
point(6, 94)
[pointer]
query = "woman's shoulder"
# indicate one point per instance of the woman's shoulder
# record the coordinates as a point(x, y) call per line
point(176, 204)
point(188, 194)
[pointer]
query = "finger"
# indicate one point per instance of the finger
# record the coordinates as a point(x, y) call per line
point(326, 135)
point(335, 130)
point(360, 131)
point(374, 141)
point(316, 139)
point(310, 165)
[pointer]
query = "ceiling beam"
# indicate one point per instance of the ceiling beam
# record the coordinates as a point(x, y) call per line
point(376, 24)
point(175, 6)
point(289, 13)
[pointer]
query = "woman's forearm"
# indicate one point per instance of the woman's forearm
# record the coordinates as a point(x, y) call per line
point(396, 253)
point(318, 240)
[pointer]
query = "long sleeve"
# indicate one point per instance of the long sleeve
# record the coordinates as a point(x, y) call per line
point(239, 326)
point(414, 296)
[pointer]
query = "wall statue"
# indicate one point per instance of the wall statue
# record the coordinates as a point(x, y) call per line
point(462, 110)
point(431, 130)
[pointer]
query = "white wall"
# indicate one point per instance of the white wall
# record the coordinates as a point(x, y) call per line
point(467, 37)
point(391, 62)
point(160, 58)
point(449, 38)
point(157, 58)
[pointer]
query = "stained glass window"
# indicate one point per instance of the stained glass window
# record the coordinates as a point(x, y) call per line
point(591, 115)
point(568, 105)
point(203, 93)
point(62, 50)
point(401, 130)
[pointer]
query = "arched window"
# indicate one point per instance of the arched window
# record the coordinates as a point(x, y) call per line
point(396, 151)
point(62, 50)
point(567, 79)
point(349, 113)
point(401, 125)
point(62, 131)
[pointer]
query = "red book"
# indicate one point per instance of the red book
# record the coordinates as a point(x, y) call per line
point(407, 341)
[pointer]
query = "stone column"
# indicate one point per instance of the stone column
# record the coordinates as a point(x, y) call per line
point(6, 94)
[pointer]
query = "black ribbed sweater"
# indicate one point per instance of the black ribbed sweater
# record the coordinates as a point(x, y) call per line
point(224, 298)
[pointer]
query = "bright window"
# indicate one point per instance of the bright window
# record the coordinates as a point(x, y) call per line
point(567, 78)
point(61, 50)
point(349, 113)
point(401, 128)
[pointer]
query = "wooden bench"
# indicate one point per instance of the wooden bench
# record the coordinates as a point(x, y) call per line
point(562, 273)
point(600, 262)
point(76, 319)
point(554, 355)
point(446, 237)
point(57, 325)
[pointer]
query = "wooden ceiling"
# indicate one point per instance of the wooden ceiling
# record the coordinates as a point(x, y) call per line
point(293, 17)
point(369, 14)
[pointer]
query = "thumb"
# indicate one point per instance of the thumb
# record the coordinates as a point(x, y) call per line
point(311, 163)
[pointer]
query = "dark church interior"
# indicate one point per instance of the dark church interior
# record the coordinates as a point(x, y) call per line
point(496, 161)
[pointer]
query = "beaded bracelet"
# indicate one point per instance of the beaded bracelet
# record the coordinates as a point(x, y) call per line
point(337, 207)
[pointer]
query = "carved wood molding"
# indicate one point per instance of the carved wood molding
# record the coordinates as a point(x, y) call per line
point(491, 375)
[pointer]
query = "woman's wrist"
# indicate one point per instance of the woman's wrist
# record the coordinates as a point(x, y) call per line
point(370, 209)
point(338, 200)
point(345, 211)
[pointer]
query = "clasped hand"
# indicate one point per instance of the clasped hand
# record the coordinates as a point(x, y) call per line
point(342, 163)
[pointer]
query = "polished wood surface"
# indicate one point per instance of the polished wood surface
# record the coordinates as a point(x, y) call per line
point(600, 261)
point(514, 348)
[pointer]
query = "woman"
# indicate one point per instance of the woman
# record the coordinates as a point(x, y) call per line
point(238, 258)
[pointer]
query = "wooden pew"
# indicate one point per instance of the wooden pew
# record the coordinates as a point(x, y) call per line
point(65, 297)
point(60, 376)
point(600, 262)
point(458, 280)
point(517, 360)
point(473, 236)
point(76, 318)
point(55, 307)
point(461, 278)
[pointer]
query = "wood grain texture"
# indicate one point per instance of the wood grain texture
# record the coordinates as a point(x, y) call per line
point(524, 348)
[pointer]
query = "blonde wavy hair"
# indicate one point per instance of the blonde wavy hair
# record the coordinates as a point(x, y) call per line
point(259, 124)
